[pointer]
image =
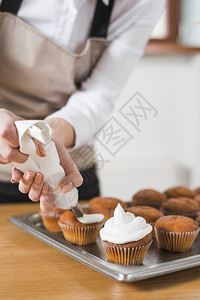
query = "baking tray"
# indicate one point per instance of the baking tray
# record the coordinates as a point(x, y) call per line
point(157, 262)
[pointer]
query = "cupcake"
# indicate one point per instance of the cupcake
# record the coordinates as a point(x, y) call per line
point(105, 205)
point(126, 238)
point(148, 197)
point(181, 206)
point(50, 219)
point(179, 191)
point(81, 231)
point(150, 214)
point(176, 233)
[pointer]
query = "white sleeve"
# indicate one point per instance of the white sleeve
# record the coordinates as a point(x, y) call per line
point(88, 108)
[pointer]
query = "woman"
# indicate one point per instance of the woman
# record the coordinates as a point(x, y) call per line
point(66, 62)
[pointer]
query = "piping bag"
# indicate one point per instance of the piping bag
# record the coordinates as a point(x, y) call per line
point(49, 166)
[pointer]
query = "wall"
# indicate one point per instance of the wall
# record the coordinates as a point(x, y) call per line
point(166, 151)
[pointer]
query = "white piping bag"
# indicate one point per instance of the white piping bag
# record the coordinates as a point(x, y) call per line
point(49, 165)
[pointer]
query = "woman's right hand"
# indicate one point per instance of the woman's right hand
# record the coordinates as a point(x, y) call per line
point(9, 140)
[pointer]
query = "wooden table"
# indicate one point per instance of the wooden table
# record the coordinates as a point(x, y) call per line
point(31, 269)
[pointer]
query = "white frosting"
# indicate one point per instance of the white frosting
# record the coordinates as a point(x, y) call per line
point(91, 218)
point(124, 227)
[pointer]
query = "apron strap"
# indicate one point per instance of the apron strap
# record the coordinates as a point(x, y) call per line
point(11, 6)
point(101, 19)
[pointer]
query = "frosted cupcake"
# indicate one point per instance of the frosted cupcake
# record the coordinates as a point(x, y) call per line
point(81, 231)
point(126, 238)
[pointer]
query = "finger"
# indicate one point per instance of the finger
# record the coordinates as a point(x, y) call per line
point(3, 161)
point(73, 179)
point(26, 182)
point(39, 148)
point(11, 154)
point(8, 130)
point(36, 187)
point(69, 167)
point(72, 173)
point(46, 199)
point(66, 184)
point(16, 175)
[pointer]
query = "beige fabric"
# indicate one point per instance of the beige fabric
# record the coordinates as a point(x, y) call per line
point(37, 76)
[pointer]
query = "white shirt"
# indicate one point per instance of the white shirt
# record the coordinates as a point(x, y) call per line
point(68, 23)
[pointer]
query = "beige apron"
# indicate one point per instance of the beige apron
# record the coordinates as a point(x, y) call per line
point(37, 76)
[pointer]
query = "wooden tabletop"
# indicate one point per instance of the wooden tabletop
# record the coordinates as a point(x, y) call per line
point(31, 269)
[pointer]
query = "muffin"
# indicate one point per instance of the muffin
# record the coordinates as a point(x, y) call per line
point(77, 232)
point(179, 191)
point(105, 205)
point(50, 219)
point(126, 238)
point(148, 197)
point(181, 206)
point(176, 233)
point(150, 214)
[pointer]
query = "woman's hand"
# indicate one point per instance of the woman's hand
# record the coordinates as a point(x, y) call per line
point(9, 140)
point(34, 185)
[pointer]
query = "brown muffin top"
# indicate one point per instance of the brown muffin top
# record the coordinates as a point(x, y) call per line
point(68, 218)
point(150, 214)
point(174, 223)
point(144, 241)
point(180, 205)
point(149, 197)
point(104, 203)
point(179, 191)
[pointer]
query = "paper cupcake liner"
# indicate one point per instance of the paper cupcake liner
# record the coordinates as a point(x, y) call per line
point(125, 256)
point(50, 221)
point(80, 235)
point(175, 241)
point(192, 215)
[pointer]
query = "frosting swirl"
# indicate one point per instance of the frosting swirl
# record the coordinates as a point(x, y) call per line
point(124, 227)
point(91, 218)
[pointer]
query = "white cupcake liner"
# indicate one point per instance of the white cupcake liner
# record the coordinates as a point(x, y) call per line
point(175, 241)
point(81, 235)
point(125, 256)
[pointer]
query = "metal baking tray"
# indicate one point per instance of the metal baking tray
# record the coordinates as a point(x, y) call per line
point(157, 262)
